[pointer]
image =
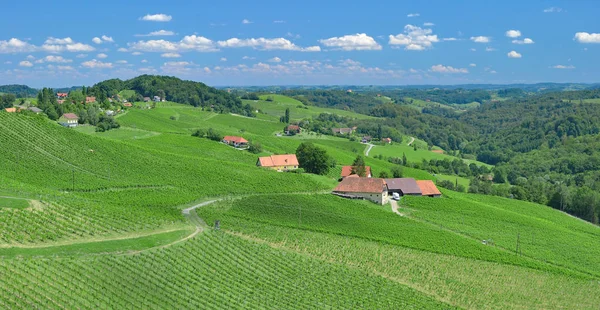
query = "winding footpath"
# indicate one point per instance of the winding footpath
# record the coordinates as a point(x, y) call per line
point(369, 149)
point(412, 139)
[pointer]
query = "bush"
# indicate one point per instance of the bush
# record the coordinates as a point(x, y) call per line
point(200, 133)
point(173, 118)
point(254, 147)
point(214, 135)
point(299, 171)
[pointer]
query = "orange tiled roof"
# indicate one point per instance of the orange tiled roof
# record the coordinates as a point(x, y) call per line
point(361, 185)
point(235, 139)
point(428, 187)
point(347, 171)
point(279, 160)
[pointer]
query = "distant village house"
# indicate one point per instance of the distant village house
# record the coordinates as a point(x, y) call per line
point(347, 171)
point(387, 140)
point(61, 95)
point(366, 139)
point(234, 141)
point(374, 190)
point(90, 99)
point(68, 120)
point(342, 131)
point(35, 110)
point(279, 162)
point(11, 110)
point(292, 130)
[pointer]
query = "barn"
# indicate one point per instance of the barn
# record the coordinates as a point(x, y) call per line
point(403, 186)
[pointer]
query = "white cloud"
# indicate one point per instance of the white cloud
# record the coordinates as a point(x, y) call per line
point(144, 61)
point(170, 55)
point(122, 50)
point(514, 54)
point(121, 62)
point(97, 40)
point(248, 57)
point(413, 15)
point(414, 38)
point(481, 39)
point(513, 33)
point(157, 18)
point(490, 49)
point(177, 63)
point(57, 45)
point(266, 44)
point(553, 10)
point(447, 69)
point(25, 63)
point(584, 37)
point(355, 42)
point(563, 67)
point(30, 57)
point(428, 24)
point(8, 62)
point(136, 53)
point(188, 43)
point(158, 33)
point(279, 21)
point(81, 55)
point(52, 40)
point(101, 55)
point(493, 72)
point(223, 59)
point(524, 41)
point(207, 70)
point(15, 46)
point(472, 65)
point(96, 64)
point(473, 50)
point(246, 21)
point(275, 59)
point(450, 39)
point(55, 59)
point(107, 39)
point(298, 62)
point(65, 68)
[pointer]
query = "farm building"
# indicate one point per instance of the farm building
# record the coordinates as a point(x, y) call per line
point(35, 110)
point(428, 188)
point(438, 151)
point(292, 129)
point(146, 99)
point(373, 189)
point(156, 99)
point(366, 139)
point(90, 99)
point(127, 104)
point(61, 95)
point(279, 162)
point(347, 171)
point(403, 186)
point(68, 120)
point(234, 141)
point(342, 131)
point(11, 110)
point(387, 140)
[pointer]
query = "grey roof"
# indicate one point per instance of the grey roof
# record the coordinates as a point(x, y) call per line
point(34, 109)
point(406, 185)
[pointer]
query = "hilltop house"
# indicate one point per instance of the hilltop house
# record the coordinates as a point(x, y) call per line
point(68, 120)
point(146, 99)
point(279, 162)
point(156, 99)
point(428, 188)
point(35, 110)
point(237, 142)
point(366, 139)
point(374, 189)
point(11, 110)
point(292, 130)
point(61, 95)
point(403, 186)
point(387, 140)
point(90, 99)
point(127, 104)
point(347, 171)
point(342, 131)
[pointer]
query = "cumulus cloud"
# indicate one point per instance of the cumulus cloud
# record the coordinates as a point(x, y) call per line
point(188, 43)
point(248, 57)
point(513, 33)
point(450, 39)
point(101, 56)
point(65, 68)
point(81, 55)
point(514, 54)
point(25, 63)
point(96, 64)
point(103, 39)
point(170, 55)
point(563, 67)
point(428, 24)
point(414, 38)
point(279, 21)
point(553, 9)
point(275, 59)
point(176, 63)
point(353, 42)
point(97, 40)
point(136, 53)
point(54, 59)
point(57, 45)
point(122, 62)
point(583, 37)
point(157, 18)
point(223, 59)
point(472, 65)
point(144, 61)
point(490, 49)
point(246, 21)
point(448, 69)
point(413, 15)
point(15, 46)
point(122, 49)
point(159, 33)
point(266, 44)
point(30, 57)
point(524, 41)
point(481, 39)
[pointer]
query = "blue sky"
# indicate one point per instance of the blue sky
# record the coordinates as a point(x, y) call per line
point(302, 42)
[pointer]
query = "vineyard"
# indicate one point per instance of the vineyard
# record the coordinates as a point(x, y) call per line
point(94, 221)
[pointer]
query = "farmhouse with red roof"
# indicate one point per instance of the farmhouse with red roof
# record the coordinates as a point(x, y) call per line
point(237, 142)
point(279, 162)
point(68, 120)
point(373, 189)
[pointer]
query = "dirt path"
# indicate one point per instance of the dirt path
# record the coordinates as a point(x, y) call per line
point(395, 207)
point(412, 139)
point(369, 149)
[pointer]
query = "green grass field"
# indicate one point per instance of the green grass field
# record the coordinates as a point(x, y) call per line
point(398, 149)
point(94, 220)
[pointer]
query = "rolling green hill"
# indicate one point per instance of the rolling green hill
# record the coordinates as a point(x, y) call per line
point(125, 219)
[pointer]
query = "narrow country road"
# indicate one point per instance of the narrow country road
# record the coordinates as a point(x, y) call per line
point(411, 141)
point(395, 207)
point(369, 149)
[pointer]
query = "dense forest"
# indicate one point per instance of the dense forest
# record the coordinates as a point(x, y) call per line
point(176, 90)
point(20, 91)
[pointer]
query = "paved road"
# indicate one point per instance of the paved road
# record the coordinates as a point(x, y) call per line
point(411, 141)
point(369, 149)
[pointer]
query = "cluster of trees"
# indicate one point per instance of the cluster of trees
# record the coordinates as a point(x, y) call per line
point(443, 96)
point(210, 134)
point(176, 90)
point(7, 101)
point(20, 91)
point(338, 99)
point(314, 159)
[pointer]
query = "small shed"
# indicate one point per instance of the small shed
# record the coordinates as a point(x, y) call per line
point(428, 188)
